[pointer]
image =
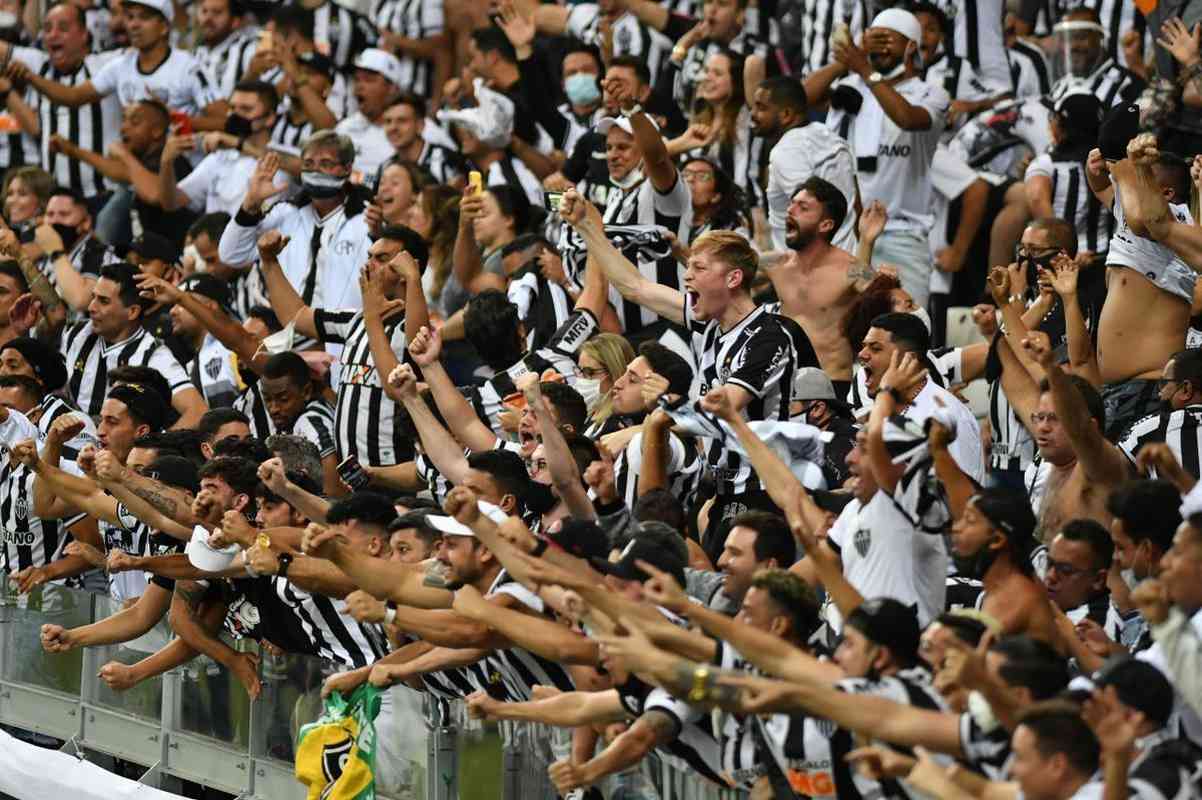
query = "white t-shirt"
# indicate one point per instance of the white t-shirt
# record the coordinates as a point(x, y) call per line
point(885, 556)
point(180, 81)
point(816, 150)
point(966, 447)
point(894, 164)
point(219, 182)
point(372, 147)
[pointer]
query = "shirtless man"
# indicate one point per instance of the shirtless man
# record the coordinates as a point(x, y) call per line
point(818, 281)
point(1149, 287)
point(1079, 465)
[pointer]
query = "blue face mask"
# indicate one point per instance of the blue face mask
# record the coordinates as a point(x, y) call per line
point(582, 89)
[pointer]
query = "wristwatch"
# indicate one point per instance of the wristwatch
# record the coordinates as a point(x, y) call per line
point(875, 77)
point(638, 109)
point(285, 560)
point(894, 393)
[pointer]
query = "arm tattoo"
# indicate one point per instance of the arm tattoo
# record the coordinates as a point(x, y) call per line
point(859, 271)
point(663, 725)
point(191, 593)
point(160, 502)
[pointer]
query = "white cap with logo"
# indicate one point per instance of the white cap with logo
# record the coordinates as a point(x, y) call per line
point(382, 62)
point(164, 7)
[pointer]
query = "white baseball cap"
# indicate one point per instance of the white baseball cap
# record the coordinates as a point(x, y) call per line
point(623, 123)
point(164, 7)
point(905, 23)
point(380, 61)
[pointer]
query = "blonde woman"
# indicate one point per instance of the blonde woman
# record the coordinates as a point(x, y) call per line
point(603, 359)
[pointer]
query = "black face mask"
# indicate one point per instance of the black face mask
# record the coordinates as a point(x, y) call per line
point(67, 233)
point(975, 566)
point(237, 125)
point(539, 498)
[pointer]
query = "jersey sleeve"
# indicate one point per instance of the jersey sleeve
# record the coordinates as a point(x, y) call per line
point(333, 326)
point(676, 202)
point(762, 361)
point(198, 183)
point(105, 80)
point(573, 333)
point(163, 362)
point(678, 710)
point(316, 428)
point(582, 21)
point(1041, 165)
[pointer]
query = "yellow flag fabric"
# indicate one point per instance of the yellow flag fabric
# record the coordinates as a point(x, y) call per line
point(335, 755)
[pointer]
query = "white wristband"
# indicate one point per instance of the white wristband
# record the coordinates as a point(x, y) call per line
point(390, 616)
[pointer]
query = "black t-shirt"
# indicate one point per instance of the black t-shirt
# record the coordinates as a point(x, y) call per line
point(172, 224)
point(256, 611)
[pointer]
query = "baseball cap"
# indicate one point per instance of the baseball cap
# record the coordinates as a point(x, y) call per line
point(605, 123)
point(153, 246)
point(209, 286)
point(381, 61)
point(811, 383)
point(317, 61)
point(1120, 127)
point(448, 525)
point(164, 7)
point(895, 19)
point(659, 557)
point(47, 363)
point(145, 403)
point(1082, 110)
point(581, 538)
point(889, 623)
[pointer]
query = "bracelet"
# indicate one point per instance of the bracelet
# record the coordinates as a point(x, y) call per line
point(701, 677)
point(638, 109)
point(1016, 298)
point(390, 616)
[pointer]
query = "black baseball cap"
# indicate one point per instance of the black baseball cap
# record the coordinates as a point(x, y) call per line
point(889, 623)
point(832, 502)
point(152, 246)
point(47, 363)
point(1120, 127)
point(582, 538)
point(642, 550)
point(318, 62)
point(209, 286)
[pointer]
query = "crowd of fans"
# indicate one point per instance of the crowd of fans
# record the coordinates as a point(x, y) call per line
point(589, 365)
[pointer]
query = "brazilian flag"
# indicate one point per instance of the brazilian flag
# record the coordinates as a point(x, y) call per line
point(336, 755)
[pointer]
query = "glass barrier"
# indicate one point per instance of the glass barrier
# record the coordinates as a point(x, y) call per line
point(197, 723)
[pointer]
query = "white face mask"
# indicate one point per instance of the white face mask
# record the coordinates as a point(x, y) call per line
point(590, 390)
point(8, 19)
point(922, 314)
point(198, 263)
point(1128, 576)
point(634, 176)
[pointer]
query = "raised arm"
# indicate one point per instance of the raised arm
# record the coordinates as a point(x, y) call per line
point(565, 474)
point(272, 474)
point(384, 580)
point(1081, 355)
point(902, 112)
point(79, 95)
point(539, 635)
point(624, 276)
point(437, 443)
point(426, 348)
point(287, 303)
point(565, 709)
point(170, 196)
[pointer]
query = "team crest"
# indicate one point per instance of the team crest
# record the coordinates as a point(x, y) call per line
point(22, 507)
point(333, 761)
point(863, 541)
point(213, 368)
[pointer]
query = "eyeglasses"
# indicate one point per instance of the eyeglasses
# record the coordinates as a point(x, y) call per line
point(1040, 417)
point(698, 174)
point(592, 373)
point(1068, 570)
point(1021, 253)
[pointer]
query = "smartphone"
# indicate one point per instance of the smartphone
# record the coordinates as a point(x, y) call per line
point(353, 474)
point(476, 181)
point(553, 200)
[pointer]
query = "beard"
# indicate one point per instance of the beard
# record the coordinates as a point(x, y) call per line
point(976, 565)
point(795, 238)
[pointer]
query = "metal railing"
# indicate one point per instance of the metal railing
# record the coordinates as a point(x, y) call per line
point(196, 723)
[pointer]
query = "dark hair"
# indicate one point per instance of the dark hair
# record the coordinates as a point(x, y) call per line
point(265, 91)
point(288, 365)
point(211, 225)
point(1061, 232)
point(301, 479)
point(1031, 664)
point(145, 376)
point(773, 537)
point(293, 19)
point(1187, 366)
point(1178, 177)
point(794, 596)
point(1094, 534)
point(512, 203)
point(31, 385)
point(267, 316)
point(13, 270)
point(125, 275)
point(787, 93)
point(491, 39)
point(668, 364)
point(875, 300)
point(161, 112)
point(924, 7)
point(524, 242)
point(241, 474)
point(568, 404)
point(252, 450)
point(490, 324)
point(371, 508)
point(1093, 400)
point(184, 442)
point(215, 418)
point(1140, 686)
point(661, 505)
point(834, 204)
point(76, 197)
point(1150, 511)
point(639, 65)
point(410, 240)
point(507, 469)
point(732, 212)
point(412, 100)
point(577, 46)
point(1059, 729)
point(1010, 512)
point(907, 332)
point(584, 450)
point(967, 629)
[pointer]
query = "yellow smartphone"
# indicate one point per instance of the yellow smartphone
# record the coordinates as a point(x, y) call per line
point(476, 181)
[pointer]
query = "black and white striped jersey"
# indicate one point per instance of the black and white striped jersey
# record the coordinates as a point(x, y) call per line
point(692, 69)
point(413, 19)
point(988, 752)
point(1178, 429)
point(89, 359)
point(228, 60)
point(812, 752)
point(759, 355)
point(342, 34)
point(316, 423)
point(1102, 611)
point(214, 374)
point(1116, 16)
point(559, 355)
point(287, 136)
point(446, 165)
point(436, 483)
point(511, 171)
point(684, 469)
point(1073, 201)
point(365, 416)
point(252, 404)
point(694, 748)
point(631, 37)
point(134, 537)
point(1111, 84)
point(88, 256)
point(543, 306)
point(520, 669)
point(93, 126)
point(28, 540)
point(54, 407)
point(1011, 447)
point(819, 21)
point(977, 37)
point(1167, 767)
point(1029, 71)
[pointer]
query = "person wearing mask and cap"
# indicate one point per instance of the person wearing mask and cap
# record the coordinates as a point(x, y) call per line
point(73, 256)
point(324, 230)
point(377, 84)
point(893, 119)
point(815, 403)
point(151, 67)
point(220, 179)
